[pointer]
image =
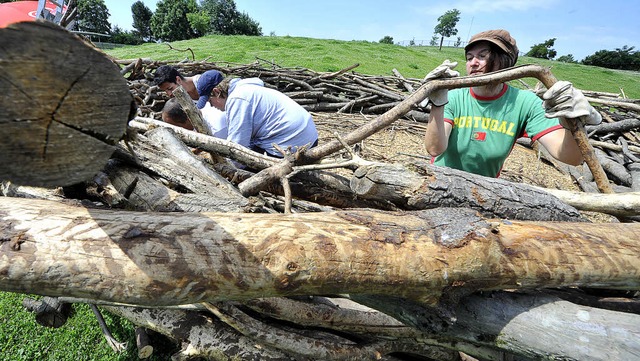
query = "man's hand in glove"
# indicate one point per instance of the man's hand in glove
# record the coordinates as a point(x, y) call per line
point(563, 100)
point(440, 97)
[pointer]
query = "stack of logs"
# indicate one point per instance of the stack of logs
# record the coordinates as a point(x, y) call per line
point(380, 262)
point(616, 140)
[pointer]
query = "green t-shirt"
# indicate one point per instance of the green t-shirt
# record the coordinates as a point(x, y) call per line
point(485, 129)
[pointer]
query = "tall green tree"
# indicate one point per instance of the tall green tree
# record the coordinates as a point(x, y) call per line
point(141, 15)
point(447, 25)
point(543, 50)
point(93, 16)
point(227, 20)
point(170, 22)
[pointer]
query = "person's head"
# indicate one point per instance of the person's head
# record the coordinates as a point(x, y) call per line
point(207, 82)
point(489, 51)
point(167, 78)
point(173, 114)
point(220, 93)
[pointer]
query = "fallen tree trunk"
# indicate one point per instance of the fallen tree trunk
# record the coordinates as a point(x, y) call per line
point(183, 258)
point(446, 187)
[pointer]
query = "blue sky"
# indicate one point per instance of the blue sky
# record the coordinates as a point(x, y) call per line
point(581, 27)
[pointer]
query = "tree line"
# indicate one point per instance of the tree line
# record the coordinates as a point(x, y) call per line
point(173, 20)
point(625, 58)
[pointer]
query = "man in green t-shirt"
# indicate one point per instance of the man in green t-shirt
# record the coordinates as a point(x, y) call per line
point(474, 129)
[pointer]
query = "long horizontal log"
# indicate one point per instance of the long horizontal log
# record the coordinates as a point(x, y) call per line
point(161, 259)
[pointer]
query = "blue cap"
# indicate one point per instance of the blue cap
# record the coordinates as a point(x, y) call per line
point(207, 81)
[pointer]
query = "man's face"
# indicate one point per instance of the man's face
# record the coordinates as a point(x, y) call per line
point(169, 87)
point(478, 58)
point(216, 100)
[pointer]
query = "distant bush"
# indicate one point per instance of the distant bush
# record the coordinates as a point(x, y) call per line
point(567, 59)
point(386, 40)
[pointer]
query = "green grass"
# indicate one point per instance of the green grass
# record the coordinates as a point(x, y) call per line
point(81, 339)
point(21, 338)
point(374, 58)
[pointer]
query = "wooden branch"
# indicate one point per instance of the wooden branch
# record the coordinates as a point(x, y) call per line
point(184, 258)
point(614, 103)
point(59, 127)
point(111, 341)
point(617, 204)
point(190, 109)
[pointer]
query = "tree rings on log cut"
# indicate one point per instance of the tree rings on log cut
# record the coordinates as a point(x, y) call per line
point(64, 105)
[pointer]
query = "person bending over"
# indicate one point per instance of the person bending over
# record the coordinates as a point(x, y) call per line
point(259, 117)
point(168, 78)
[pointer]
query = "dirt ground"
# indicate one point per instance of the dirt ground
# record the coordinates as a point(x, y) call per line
point(402, 143)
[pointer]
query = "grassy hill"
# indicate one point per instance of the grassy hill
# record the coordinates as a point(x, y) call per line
point(374, 58)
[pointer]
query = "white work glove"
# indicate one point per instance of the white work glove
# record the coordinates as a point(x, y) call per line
point(563, 100)
point(445, 70)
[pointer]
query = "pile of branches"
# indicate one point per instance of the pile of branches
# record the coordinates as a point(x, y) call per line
point(617, 139)
point(289, 258)
point(343, 91)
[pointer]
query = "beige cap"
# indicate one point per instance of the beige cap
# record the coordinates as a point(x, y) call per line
point(500, 38)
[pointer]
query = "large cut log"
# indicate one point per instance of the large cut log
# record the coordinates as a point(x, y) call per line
point(447, 187)
point(183, 258)
point(64, 106)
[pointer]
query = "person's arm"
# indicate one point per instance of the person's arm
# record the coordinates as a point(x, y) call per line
point(436, 137)
point(562, 101)
point(562, 146)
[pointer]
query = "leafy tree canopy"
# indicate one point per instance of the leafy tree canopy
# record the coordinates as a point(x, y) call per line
point(387, 40)
point(622, 58)
point(93, 16)
point(141, 15)
point(543, 50)
point(227, 20)
point(170, 22)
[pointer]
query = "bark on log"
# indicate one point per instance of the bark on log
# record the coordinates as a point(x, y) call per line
point(183, 258)
point(446, 187)
point(166, 155)
point(545, 327)
point(58, 128)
